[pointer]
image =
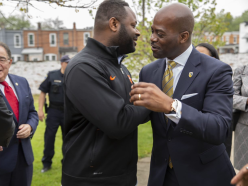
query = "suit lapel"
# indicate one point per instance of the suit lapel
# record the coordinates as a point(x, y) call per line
point(157, 80)
point(18, 91)
point(185, 80)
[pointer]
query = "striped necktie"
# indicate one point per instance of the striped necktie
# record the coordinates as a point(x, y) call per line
point(167, 83)
point(167, 87)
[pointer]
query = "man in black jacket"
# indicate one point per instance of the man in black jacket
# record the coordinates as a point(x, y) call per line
point(100, 145)
point(7, 126)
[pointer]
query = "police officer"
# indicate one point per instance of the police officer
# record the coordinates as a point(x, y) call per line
point(53, 85)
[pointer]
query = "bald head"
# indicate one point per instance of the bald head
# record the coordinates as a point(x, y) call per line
point(178, 15)
point(171, 31)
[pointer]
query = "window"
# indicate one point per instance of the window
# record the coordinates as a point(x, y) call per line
point(52, 38)
point(30, 39)
point(227, 39)
point(18, 58)
point(235, 40)
point(86, 36)
point(66, 38)
point(50, 57)
point(17, 41)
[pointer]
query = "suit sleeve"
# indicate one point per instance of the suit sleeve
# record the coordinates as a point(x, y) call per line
point(32, 119)
point(89, 91)
point(7, 125)
point(239, 101)
point(212, 123)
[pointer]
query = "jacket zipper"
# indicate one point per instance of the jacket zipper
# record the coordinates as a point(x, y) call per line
point(127, 93)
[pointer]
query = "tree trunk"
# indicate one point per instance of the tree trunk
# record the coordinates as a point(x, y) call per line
point(143, 12)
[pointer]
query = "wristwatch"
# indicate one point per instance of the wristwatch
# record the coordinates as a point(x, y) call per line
point(174, 105)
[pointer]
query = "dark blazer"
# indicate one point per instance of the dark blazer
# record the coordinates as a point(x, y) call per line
point(27, 115)
point(7, 126)
point(195, 144)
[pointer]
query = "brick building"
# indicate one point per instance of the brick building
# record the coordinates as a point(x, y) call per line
point(232, 43)
point(51, 45)
point(231, 40)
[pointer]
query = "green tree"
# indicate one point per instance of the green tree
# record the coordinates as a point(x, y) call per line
point(207, 21)
point(52, 23)
point(234, 25)
point(15, 22)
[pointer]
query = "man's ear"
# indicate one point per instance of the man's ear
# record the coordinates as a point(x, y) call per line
point(114, 24)
point(184, 37)
point(10, 61)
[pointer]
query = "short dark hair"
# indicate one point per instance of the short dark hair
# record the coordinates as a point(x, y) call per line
point(111, 8)
point(6, 48)
point(213, 52)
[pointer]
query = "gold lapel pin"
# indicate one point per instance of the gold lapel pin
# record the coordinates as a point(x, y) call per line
point(16, 84)
point(190, 74)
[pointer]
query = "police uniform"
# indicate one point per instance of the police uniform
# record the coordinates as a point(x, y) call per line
point(53, 85)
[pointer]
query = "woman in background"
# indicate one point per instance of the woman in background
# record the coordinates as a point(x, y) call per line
point(209, 50)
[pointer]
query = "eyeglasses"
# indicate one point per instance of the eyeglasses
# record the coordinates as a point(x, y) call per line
point(3, 60)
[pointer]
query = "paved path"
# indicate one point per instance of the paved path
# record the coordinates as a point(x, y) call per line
point(144, 167)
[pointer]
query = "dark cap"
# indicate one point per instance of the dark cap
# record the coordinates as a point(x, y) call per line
point(65, 59)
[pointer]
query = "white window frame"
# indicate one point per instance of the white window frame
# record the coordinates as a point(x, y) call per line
point(50, 39)
point(235, 42)
point(214, 39)
point(29, 40)
point(20, 41)
point(86, 33)
point(227, 39)
point(50, 56)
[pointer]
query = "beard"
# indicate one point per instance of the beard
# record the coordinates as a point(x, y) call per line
point(125, 41)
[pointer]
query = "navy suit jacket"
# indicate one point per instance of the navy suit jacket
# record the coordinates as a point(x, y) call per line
point(27, 115)
point(195, 144)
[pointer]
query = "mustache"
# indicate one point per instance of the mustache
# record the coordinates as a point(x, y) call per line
point(135, 38)
point(153, 45)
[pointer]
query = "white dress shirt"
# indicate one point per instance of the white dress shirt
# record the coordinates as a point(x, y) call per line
point(177, 71)
point(10, 84)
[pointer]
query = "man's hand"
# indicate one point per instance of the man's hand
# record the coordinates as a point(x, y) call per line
point(1, 148)
point(41, 115)
point(24, 131)
point(241, 179)
point(150, 97)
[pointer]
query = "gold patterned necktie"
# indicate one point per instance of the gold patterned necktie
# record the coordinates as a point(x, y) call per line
point(167, 83)
point(167, 87)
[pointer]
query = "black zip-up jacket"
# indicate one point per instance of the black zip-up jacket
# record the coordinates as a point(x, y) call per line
point(100, 145)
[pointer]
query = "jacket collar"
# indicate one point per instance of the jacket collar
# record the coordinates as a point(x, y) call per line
point(98, 49)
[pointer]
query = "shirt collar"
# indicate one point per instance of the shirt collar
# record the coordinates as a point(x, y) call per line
point(183, 58)
point(119, 59)
point(8, 80)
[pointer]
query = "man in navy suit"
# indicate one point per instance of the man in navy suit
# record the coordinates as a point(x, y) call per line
point(190, 95)
point(16, 161)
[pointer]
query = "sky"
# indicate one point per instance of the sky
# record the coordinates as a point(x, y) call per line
point(83, 19)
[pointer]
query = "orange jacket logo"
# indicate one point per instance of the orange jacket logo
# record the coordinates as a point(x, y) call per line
point(130, 79)
point(112, 78)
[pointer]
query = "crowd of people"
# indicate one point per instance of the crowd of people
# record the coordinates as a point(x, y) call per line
point(188, 95)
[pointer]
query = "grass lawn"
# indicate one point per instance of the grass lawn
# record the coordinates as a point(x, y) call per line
point(53, 177)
